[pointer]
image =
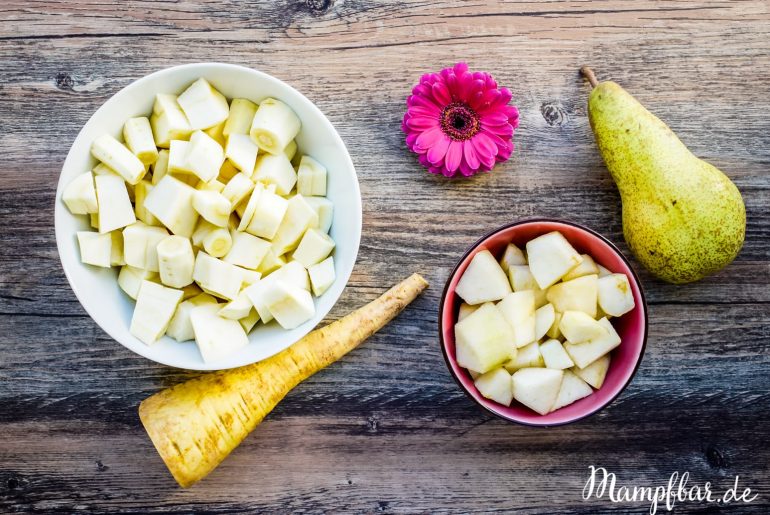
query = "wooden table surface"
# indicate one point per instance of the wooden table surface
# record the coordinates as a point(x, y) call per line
point(386, 429)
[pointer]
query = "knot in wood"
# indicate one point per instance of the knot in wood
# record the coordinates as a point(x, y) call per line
point(64, 81)
point(318, 6)
point(715, 458)
point(554, 114)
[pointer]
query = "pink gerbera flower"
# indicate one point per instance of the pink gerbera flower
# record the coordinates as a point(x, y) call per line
point(459, 121)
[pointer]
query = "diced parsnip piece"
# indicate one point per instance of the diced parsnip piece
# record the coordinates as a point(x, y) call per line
point(116, 250)
point(550, 257)
point(322, 276)
point(247, 208)
point(513, 256)
point(325, 211)
point(578, 327)
point(214, 185)
point(160, 167)
point(615, 295)
point(216, 277)
point(247, 250)
point(270, 214)
point(168, 121)
point(518, 308)
point(274, 126)
point(114, 154)
point(299, 217)
point(521, 279)
point(483, 281)
point(555, 356)
point(291, 150)
point(314, 247)
point(583, 354)
point(586, 267)
point(227, 171)
point(290, 306)
point(544, 317)
point(115, 209)
point(171, 203)
point(175, 261)
point(242, 152)
point(212, 206)
point(241, 115)
point(80, 195)
point(217, 242)
point(137, 134)
point(594, 373)
point(484, 340)
point(603, 272)
point(292, 273)
point(496, 385)
point(270, 262)
point(130, 279)
point(103, 169)
point(465, 310)
point(141, 190)
point(216, 133)
point(537, 388)
point(526, 357)
point(203, 105)
point(554, 331)
point(249, 276)
point(237, 308)
point(249, 321)
point(311, 177)
point(275, 169)
point(191, 290)
point(202, 229)
point(93, 220)
point(155, 306)
point(237, 189)
point(216, 337)
point(95, 248)
point(579, 294)
point(573, 388)
point(180, 328)
point(140, 245)
point(204, 156)
point(177, 158)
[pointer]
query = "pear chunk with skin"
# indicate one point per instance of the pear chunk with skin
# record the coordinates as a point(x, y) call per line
point(527, 357)
point(513, 256)
point(155, 306)
point(550, 257)
point(465, 310)
point(577, 327)
point(537, 388)
point(586, 267)
point(203, 105)
point(594, 373)
point(554, 331)
point(217, 337)
point(555, 356)
point(496, 385)
point(615, 295)
point(484, 339)
point(518, 308)
point(80, 195)
point(583, 354)
point(544, 319)
point(483, 280)
point(573, 388)
point(521, 279)
point(603, 272)
point(579, 294)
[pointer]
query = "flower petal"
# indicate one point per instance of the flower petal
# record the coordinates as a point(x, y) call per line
point(469, 155)
point(422, 122)
point(453, 156)
point(441, 93)
point(438, 151)
point(428, 138)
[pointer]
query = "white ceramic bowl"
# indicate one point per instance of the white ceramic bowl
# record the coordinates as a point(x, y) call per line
point(97, 289)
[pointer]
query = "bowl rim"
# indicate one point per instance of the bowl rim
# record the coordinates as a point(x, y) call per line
point(473, 247)
point(209, 66)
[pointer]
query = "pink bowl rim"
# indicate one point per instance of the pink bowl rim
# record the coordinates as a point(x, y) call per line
point(492, 233)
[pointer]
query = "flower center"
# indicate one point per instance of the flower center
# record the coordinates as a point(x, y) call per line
point(459, 122)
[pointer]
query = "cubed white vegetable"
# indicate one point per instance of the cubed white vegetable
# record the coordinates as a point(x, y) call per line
point(325, 211)
point(204, 156)
point(80, 195)
point(238, 188)
point(170, 201)
point(140, 245)
point(518, 308)
point(594, 373)
point(550, 257)
point(216, 337)
point(537, 388)
point(141, 190)
point(115, 209)
point(291, 150)
point(270, 262)
point(249, 321)
point(168, 121)
point(249, 276)
point(227, 171)
point(265, 212)
point(299, 217)
point(217, 242)
point(290, 306)
point(322, 276)
point(180, 328)
point(292, 273)
point(216, 277)
point(130, 279)
point(137, 134)
point(579, 294)
point(274, 126)
point(483, 280)
point(114, 154)
point(573, 388)
point(314, 247)
point(583, 354)
point(160, 167)
point(496, 385)
point(311, 177)
point(95, 248)
point(615, 295)
point(240, 117)
point(116, 250)
point(237, 308)
point(212, 206)
point(177, 157)
point(203, 105)
point(484, 340)
point(175, 261)
point(242, 152)
point(275, 169)
point(155, 306)
point(216, 133)
point(247, 250)
point(555, 356)
point(214, 185)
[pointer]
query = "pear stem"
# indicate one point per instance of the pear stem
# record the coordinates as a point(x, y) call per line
point(588, 73)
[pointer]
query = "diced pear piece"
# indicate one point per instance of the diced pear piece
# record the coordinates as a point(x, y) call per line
point(578, 327)
point(291, 150)
point(513, 256)
point(555, 356)
point(116, 250)
point(114, 154)
point(168, 121)
point(594, 373)
point(140, 242)
point(573, 388)
point(216, 277)
point(95, 248)
point(483, 280)
point(238, 188)
point(579, 294)
point(242, 152)
point(554, 331)
point(496, 385)
point(550, 257)
point(586, 267)
point(175, 261)
point(290, 306)
point(203, 105)
point(527, 357)
point(247, 250)
point(583, 354)
point(311, 177)
point(240, 117)
point(204, 156)
point(271, 211)
point(155, 306)
point(249, 321)
point(180, 328)
point(603, 271)
point(521, 279)
point(537, 388)
point(299, 217)
point(274, 126)
point(518, 308)
point(465, 310)
point(141, 190)
point(270, 262)
point(115, 209)
point(170, 201)
point(137, 134)
point(322, 276)
point(325, 211)
point(314, 247)
point(615, 295)
point(177, 157)
point(217, 337)
point(544, 318)
point(484, 339)
point(80, 195)
point(237, 308)
point(212, 206)
point(130, 279)
point(275, 169)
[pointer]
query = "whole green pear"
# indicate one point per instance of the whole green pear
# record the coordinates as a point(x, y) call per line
point(682, 217)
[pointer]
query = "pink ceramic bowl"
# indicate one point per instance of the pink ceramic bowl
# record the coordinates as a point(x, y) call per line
point(632, 327)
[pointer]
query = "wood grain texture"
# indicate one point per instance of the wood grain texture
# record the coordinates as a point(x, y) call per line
point(386, 429)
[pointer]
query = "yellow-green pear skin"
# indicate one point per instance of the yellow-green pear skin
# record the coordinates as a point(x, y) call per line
point(682, 217)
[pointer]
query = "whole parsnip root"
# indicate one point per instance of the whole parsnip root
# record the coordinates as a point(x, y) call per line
point(195, 425)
